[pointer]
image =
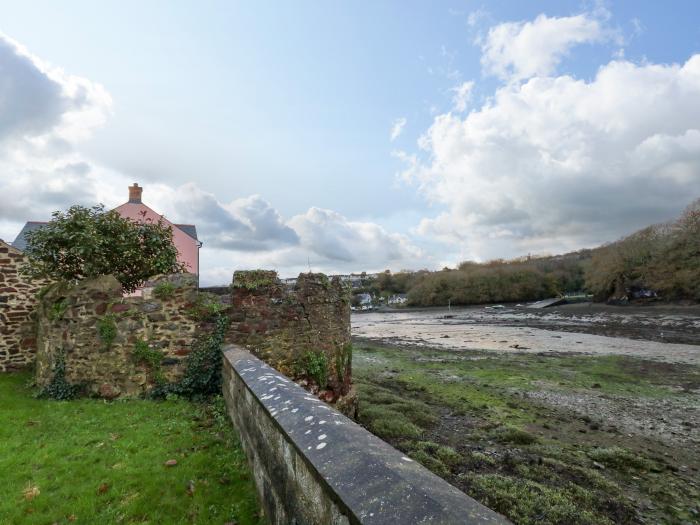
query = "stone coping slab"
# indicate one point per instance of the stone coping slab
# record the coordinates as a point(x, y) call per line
point(370, 481)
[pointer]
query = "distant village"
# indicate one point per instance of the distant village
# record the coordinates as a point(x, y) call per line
point(362, 300)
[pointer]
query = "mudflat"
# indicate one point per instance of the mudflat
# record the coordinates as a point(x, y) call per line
point(576, 414)
point(579, 328)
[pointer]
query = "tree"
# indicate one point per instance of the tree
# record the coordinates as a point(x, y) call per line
point(86, 242)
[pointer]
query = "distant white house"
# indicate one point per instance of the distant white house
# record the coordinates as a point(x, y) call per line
point(355, 280)
point(364, 302)
point(397, 299)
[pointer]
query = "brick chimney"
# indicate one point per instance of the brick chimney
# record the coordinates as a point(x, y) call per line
point(135, 192)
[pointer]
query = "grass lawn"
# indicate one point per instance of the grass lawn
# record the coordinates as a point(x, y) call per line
point(467, 416)
point(90, 461)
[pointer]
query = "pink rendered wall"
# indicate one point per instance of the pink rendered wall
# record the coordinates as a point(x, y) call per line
point(186, 245)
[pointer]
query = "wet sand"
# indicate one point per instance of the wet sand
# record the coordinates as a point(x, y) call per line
point(654, 334)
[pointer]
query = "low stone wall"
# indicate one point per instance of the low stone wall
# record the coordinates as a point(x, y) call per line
point(95, 331)
point(17, 303)
point(312, 465)
point(303, 332)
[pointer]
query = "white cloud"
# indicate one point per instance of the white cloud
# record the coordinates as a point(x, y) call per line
point(331, 236)
point(476, 16)
point(558, 163)
point(462, 95)
point(41, 105)
point(45, 113)
point(397, 128)
point(328, 242)
point(521, 50)
point(246, 224)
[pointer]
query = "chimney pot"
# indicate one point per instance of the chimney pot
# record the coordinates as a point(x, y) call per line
point(135, 193)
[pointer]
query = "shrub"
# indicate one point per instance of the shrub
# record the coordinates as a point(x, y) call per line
point(107, 330)
point(164, 290)
point(316, 367)
point(206, 307)
point(87, 242)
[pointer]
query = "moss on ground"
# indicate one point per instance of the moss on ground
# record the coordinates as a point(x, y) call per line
point(89, 461)
point(464, 415)
point(394, 416)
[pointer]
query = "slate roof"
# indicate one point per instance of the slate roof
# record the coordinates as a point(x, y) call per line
point(20, 241)
point(189, 229)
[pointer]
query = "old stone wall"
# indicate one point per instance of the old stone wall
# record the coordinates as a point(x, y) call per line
point(303, 332)
point(107, 342)
point(102, 336)
point(17, 303)
point(314, 465)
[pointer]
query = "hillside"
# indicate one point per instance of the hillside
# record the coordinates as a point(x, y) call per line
point(658, 262)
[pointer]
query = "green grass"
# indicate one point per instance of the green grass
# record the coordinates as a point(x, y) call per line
point(90, 461)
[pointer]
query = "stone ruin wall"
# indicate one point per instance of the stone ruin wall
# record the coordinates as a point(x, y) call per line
point(290, 329)
point(17, 304)
point(68, 329)
point(284, 327)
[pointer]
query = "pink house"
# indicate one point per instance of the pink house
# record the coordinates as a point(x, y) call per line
point(184, 235)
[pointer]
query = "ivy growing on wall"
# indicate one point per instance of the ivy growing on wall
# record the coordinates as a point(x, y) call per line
point(57, 309)
point(202, 376)
point(151, 357)
point(59, 388)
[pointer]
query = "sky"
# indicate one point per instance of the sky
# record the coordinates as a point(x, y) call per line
point(355, 136)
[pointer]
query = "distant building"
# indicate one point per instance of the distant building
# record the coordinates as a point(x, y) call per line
point(364, 301)
point(397, 299)
point(356, 280)
point(184, 235)
point(290, 281)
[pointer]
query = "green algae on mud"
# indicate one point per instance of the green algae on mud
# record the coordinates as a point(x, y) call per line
point(91, 461)
point(495, 426)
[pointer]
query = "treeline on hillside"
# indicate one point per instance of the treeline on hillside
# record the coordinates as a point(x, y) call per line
point(525, 279)
point(661, 261)
point(664, 259)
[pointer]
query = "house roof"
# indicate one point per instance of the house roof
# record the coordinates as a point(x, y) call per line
point(189, 229)
point(20, 241)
